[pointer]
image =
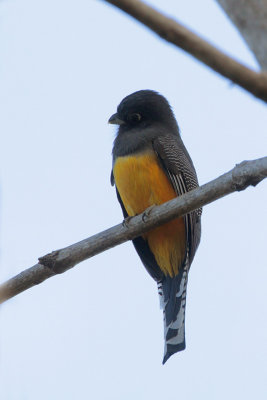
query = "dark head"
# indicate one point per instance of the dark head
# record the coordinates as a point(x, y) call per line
point(143, 109)
point(142, 117)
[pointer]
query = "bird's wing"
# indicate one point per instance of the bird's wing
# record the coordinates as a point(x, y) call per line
point(179, 168)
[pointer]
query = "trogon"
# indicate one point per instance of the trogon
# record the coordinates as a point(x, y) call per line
point(151, 166)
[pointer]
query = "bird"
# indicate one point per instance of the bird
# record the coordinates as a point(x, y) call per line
point(150, 166)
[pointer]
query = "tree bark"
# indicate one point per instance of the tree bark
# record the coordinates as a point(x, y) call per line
point(244, 174)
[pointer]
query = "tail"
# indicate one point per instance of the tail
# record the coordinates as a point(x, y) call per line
point(172, 293)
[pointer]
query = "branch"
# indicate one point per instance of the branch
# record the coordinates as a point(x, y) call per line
point(239, 178)
point(251, 23)
point(179, 35)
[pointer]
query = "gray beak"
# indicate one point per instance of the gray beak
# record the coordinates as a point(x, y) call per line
point(115, 120)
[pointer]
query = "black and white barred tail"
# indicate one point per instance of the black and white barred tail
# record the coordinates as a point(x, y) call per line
point(172, 294)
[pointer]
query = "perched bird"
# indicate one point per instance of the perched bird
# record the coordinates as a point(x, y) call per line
point(151, 166)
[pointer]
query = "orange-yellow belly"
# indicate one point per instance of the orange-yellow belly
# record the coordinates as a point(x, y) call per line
point(141, 183)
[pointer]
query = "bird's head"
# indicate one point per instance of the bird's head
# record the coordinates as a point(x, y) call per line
point(142, 109)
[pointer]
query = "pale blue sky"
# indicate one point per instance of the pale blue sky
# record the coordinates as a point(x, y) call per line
point(96, 331)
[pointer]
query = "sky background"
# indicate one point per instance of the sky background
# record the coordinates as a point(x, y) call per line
point(96, 331)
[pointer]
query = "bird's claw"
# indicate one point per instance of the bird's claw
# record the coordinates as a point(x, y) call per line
point(147, 213)
point(126, 222)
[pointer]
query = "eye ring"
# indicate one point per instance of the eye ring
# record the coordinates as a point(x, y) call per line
point(135, 117)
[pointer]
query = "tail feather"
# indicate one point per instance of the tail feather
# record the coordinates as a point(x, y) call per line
point(172, 293)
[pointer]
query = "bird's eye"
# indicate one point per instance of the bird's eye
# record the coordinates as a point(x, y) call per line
point(135, 117)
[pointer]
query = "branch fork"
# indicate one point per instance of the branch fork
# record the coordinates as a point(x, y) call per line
point(182, 37)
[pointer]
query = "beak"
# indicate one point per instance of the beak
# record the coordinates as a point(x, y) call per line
point(115, 120)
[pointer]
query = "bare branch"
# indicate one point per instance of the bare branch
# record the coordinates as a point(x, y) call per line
point(250, 17)
point(244, 174)
point(176, 33)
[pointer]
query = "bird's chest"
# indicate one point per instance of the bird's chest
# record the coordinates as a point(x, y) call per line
point(141, 182)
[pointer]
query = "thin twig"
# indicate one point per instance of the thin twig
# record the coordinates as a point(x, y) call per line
point(244, 174)
point(179, 35)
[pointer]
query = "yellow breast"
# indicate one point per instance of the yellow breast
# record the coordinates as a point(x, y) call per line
point(141, 183)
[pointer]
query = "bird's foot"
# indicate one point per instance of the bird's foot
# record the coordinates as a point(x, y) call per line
point(126, 222)
point(147, 213)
